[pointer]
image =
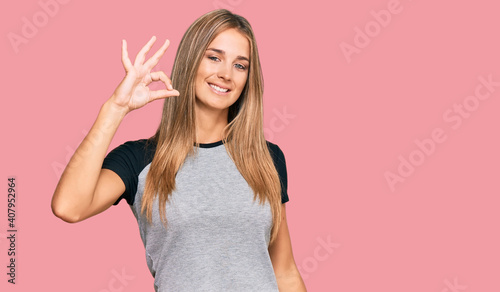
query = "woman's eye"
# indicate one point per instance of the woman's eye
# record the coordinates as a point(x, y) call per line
point(213, 58)
point(240, 66)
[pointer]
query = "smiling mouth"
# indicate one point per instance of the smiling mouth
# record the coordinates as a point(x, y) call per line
point(218, 89)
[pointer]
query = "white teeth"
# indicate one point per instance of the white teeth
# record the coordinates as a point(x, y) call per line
point(218, 88)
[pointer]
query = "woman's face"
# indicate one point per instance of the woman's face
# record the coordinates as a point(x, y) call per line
point(223, 71)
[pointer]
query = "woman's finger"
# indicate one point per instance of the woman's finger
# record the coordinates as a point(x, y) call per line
point(157, 56)
point(125, 60)
point(160, 75)
point(141, 56)
point(163, 93)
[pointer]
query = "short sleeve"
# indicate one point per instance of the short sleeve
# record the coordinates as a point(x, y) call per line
point(127, 161)
point(280, 164)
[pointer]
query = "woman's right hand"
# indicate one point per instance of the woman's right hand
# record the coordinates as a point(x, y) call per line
point(133, 91)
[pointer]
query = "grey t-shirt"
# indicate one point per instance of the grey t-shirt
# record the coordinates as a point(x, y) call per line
point(217, 237)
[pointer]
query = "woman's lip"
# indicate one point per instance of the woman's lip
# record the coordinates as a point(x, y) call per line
point(218, 92)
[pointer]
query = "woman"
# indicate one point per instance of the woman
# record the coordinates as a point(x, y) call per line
point(193, 186)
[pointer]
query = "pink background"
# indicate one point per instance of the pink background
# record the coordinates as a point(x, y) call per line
point(351, 119)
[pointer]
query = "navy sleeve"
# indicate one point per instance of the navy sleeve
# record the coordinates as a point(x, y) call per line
point(280, 164)
point(127, 161)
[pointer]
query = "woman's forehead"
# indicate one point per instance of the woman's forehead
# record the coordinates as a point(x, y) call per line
point(232, 42)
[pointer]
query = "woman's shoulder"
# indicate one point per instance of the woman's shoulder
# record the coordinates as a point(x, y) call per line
point(275, 150)
point(139, 145)
point(138, 152)
point(277, 155)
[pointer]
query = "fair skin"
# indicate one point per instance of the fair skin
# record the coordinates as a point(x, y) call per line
point(224, 64)
point(280, 251)
point(86, 190)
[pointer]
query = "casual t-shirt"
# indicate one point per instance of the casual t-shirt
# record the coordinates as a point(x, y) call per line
point(217, 236)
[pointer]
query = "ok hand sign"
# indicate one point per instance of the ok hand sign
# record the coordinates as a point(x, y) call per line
point(133, 91)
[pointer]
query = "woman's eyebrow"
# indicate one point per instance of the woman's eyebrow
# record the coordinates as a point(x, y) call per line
point(223, 53)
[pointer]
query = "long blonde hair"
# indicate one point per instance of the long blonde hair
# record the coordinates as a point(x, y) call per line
point(243, 137)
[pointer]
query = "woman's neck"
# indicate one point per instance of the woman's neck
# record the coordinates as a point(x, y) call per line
point(209, 125)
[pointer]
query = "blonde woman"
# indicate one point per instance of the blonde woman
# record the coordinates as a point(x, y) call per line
point(207, 190)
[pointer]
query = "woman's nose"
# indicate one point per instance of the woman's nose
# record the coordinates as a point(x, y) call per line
point(224, 71)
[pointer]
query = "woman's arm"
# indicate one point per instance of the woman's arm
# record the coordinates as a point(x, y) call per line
point(84, 188)
point(74, 194)
point(285, 269)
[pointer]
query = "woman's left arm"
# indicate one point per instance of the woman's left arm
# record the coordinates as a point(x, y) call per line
point(285, 269)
